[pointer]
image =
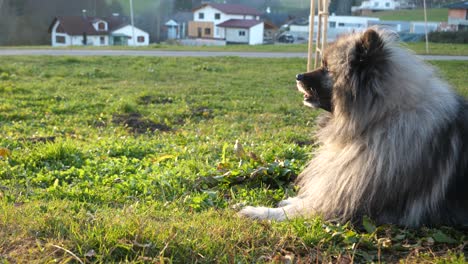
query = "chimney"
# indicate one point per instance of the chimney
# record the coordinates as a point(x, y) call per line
point(83, 13)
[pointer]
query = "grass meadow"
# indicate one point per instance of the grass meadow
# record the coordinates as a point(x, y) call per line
point(130, 159)
point(433, 15)
point(453, 49)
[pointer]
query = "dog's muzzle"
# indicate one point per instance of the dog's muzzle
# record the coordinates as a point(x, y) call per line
point(315, 95)
point(310, 97)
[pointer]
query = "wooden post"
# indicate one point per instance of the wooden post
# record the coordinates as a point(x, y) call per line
point(322, 29)
point(311, 35)
point(318, 48)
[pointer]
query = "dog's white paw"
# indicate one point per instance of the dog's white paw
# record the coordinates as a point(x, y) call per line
point(262, 213)
point(288, 201)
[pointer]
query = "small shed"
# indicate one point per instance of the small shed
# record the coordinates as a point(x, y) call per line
point(177, 25)
point(172, 29)
point(243, 31)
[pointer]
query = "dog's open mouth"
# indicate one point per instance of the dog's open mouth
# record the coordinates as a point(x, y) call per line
point(310, 96)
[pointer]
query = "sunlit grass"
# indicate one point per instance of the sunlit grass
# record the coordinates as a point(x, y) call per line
point(418, 47)
point(114, 159)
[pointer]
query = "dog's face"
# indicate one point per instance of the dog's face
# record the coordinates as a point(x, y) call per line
point(350, 69)
point(316, 87)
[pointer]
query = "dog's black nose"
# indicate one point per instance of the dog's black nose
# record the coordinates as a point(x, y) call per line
point(299, 77)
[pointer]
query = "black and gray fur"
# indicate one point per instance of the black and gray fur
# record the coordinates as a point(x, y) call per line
point(394, 145)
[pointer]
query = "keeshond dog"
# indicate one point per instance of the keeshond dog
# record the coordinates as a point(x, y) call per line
point(393, 145)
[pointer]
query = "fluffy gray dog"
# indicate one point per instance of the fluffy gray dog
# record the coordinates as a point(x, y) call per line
point(394, 145)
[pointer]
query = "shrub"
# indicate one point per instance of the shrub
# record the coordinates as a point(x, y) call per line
point(449, 37)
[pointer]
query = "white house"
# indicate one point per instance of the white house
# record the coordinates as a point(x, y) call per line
point(229, 22)
point(141, 37)
point(376, 5)
point(243, 31)
point(337, 25)
point(94, 31)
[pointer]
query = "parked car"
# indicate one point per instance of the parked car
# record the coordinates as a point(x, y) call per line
point(286, 38)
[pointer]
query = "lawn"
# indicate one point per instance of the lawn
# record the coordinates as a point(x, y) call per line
point(417, 47)
point(433, 15)
point(115, 159)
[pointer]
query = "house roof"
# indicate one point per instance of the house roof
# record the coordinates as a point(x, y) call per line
point(239, 23)
point(77, 25)
point(231, 9)
point(269, 25)
point(171, 23)
point(458, 5)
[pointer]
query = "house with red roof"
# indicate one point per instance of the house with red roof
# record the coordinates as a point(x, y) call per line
point(458, 15)
point(229, 22)
point(95, 31)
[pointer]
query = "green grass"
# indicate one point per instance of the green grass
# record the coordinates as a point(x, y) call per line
point(433, 15)
point(418, 47)
point(438, 48)
point(112, 159)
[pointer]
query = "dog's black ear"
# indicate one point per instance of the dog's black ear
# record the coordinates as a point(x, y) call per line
point(369, 62)
point(369, 45)
point(371, 40)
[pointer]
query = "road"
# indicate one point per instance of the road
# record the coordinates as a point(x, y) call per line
point(159, 53)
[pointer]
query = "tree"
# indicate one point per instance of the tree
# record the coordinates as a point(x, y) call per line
point(341, 7)
point(26, 22)
point(183, 5)
point(115, 7)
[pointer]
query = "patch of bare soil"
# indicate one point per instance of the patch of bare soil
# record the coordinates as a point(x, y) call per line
point(151, 99)
point(137, 123)
point(35, 140)
point(202, 113)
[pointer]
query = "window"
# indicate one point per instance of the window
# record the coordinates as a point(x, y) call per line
point(102, 26)
point(376, 3)
point(201, 15)
point(217, 16)
point(241, 33)
point(207, 31)
point(341, 24)
point(387, 4)
point(333, 24)
point(60, 39)
point(102, 40)
point(140, 39)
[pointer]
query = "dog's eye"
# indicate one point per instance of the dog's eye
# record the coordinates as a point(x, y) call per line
point(324, 65)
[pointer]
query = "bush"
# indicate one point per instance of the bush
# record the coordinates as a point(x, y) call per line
point(449, 37)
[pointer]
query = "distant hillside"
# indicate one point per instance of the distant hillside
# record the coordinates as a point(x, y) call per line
point(138, 5)
point(434, 14)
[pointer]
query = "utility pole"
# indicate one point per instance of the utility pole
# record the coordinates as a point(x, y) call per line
point(425, 27)
point(131, 20)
